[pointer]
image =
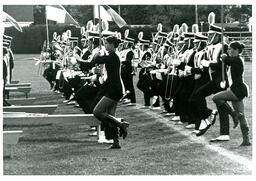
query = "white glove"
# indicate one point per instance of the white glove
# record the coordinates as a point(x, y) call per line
point(94, 78)
point(162, 66)
point(187, 70)
point(153, 63)
point(102, 52)
point(205, 63)
point(176, 62)
point(223, 84)
point(181, 73)
point(95, 70)
point(73, 60)
point(223, 56)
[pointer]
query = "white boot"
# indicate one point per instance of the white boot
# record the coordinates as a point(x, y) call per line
point(176, 118)
point(204, 123)
point(102, 138)
point(190, 126)
point(221, 138)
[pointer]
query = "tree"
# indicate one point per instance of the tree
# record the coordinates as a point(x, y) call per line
point(168, 15)
point(39, 14)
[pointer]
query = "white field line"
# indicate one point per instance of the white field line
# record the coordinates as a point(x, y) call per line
point(224, 152)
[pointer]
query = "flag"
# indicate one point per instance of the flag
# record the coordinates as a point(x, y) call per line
point(103, 13)
point(59, 14)
point(114, 15)
point(7, 17)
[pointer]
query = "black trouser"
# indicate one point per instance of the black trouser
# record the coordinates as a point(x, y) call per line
point(86, 98)
point(70, 86)
point(76, 82)
point(50, 75)
point(203, 112)
point(155, 85)
point(177, 96)
point(67, 89)
point(165, 92)
point(128, 84)
point(169, 91)
point(193, 111)
point(224, 120)
point(144, 85)
point(185, 90)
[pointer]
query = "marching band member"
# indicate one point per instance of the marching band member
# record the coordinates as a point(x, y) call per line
point(186, 80)
point(169, 82)
point(182, 46)
point(127, 71)
point(86, 47)
point(144, 74)
point(8, 40)
point(5, 71)
point(237, 91)
point(164, 85)
point(70, 64)
point(85, 96)
point(158, 60)
point(214, 66)
point(201, 77)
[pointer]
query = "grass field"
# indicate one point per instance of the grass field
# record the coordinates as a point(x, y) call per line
point(154, 146)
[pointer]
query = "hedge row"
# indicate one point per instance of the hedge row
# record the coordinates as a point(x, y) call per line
point(32, 37)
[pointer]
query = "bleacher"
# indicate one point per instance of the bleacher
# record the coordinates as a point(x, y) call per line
point(244, 37)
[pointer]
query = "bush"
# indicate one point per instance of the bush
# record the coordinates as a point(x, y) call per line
point(32, 38)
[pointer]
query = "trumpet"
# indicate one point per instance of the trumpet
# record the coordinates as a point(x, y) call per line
point(171, 72)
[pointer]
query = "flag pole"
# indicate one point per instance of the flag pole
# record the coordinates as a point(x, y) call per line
point(47, 29)
point(99, 26)
point(94, 13)
point(222, 42)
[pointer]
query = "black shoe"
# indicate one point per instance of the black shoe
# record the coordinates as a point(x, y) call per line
point(115, 146)
point(202, 131)
point(245, 143)
point(123, 129)
point(71, 98)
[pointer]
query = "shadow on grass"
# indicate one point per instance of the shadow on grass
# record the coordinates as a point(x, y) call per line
point(27, 125)
point(61, 140)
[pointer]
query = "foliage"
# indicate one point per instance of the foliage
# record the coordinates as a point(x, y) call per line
point(147, 16)
point(32, 38)
point(168, 15)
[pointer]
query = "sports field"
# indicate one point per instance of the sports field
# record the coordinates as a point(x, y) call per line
point(154, 146)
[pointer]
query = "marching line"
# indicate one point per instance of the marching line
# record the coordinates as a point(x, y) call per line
point(222, 151)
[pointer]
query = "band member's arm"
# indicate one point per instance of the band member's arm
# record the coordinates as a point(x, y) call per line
point(217, 65)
